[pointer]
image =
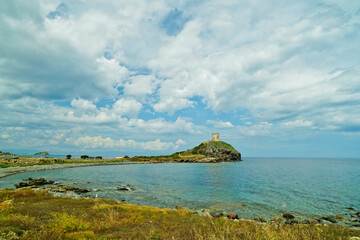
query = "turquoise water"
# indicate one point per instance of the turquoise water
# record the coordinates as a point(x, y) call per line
point(256, 187)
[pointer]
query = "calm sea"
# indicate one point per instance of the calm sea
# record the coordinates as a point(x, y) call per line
point(255, 187)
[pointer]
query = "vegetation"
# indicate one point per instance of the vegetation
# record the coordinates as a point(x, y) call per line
point(42, 153)
point(98, 157)
point(68, 156)
point(29, 214)
point(84, 156)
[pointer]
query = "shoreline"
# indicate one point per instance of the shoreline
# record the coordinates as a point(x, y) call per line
point(9, 171)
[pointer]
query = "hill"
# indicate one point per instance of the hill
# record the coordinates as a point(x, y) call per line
point(213, 151)
point(42, 153)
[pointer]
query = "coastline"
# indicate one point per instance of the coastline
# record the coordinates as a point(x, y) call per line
point(5, 172)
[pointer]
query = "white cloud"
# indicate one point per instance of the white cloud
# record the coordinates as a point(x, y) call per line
point(298, 123)
point(129, 107)
point(100, 142)
point(83, 105)
point(220, 124)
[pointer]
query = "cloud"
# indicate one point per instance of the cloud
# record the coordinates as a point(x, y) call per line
point(129, 107)
point(100, 142)
point(220, 124)
point(169, 69)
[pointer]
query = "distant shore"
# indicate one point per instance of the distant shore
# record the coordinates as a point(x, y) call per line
point(5, 172)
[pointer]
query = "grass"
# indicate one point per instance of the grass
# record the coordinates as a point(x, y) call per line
point(29, 214)
point(220, 144)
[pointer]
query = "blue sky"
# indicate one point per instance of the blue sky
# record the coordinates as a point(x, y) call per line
point(275, 79)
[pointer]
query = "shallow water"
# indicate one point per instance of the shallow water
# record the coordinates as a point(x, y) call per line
point(256, 187)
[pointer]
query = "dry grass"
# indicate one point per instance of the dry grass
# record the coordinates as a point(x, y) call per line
point(32, 214)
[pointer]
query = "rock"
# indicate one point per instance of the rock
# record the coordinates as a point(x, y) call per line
point(232, 215)
point(217, 214)
point(213, 151)
point(339, 216)
point(306, 221)
point(178, 207)
point(260, 219)
point(357, 214)
point(64, 189)
point(207, 214)
point(294, 221)
point(33, 183)
point(125, 188)
point(288, 216)
point(325, 222)
point(329, 218)
point(351, 208)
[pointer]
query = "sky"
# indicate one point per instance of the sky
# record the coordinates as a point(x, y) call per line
point(273, 78)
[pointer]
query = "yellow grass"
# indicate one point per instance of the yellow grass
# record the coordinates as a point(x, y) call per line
point(28, 214)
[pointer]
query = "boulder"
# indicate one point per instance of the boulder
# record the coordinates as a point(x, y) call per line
point(232, 215)
point(288, 216)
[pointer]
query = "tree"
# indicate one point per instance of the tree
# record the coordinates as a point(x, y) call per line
point(84, 157)
point(68, 156)
point(99, 157)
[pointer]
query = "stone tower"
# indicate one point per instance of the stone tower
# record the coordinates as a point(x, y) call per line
point(215, 137)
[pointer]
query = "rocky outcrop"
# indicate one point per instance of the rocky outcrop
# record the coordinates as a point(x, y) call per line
point(213, 151)
point(64, 189)
point(221, 153)
point(36, 182)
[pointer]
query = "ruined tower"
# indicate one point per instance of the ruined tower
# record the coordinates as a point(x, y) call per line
point(215, 137)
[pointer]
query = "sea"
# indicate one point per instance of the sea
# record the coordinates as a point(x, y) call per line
point(308, 188)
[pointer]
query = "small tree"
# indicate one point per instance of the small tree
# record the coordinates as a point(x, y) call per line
point(84, 157)
point(68, 156)
point(99, 157)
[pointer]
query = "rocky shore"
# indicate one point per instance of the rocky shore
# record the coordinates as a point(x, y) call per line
point(351, 218)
